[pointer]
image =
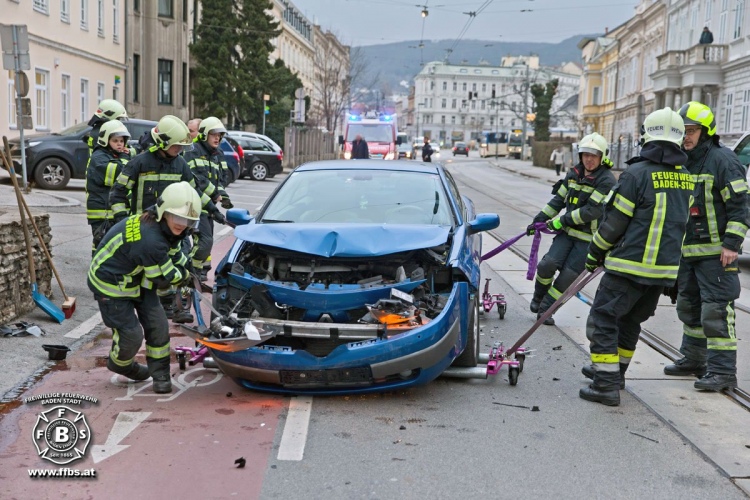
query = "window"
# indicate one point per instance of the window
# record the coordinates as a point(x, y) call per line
point(99, 92)
point(84, 100)
point(473, 104)
point(184, 84)
point(116, 93)
point(84, 15)
point(100, 18)
point(432, 84)
point(739, 16)
point(745, 110)
point(482, 104)
point(708, 12)
point(453, 104)
point(595, 96)
point(455, 86)
point(65, 120)
point(444, 103)
point(442, 119)
point(474, 87)
point(41, 88)
point(65, 11)
point(723, 21)
point(41, 6)
point(165, 81)
point(136, 76)
point(728, 113)
point(445, 85)
point(453, 120)
point(116, 21)
point(463, 120)
point(184, 11)
point(463, 86)
point(136, 5)
point(165, 8)
point(11, 101)
point(484, 87)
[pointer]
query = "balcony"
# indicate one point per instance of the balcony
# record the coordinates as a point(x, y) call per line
point(698, 66)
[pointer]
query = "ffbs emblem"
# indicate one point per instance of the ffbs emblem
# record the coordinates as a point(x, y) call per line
point(61, 435)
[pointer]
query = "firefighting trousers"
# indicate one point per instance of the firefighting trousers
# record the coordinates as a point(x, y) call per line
point(130, 321)
point(705, 305)
point(99, 228)
point(203, 240)
point(614, 324)
point(567, 255)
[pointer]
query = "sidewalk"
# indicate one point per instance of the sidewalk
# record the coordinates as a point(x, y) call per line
point(35, 198)
point(526, 169)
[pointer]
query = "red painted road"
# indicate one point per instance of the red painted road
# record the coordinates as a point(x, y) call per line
point(145, 445)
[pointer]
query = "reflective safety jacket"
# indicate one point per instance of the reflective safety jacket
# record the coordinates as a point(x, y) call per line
point(144, 178)
point(645, 217)
point(136, 254)
point(719, 215)
point(104, 167)
point(208, 167)
point(582, 195)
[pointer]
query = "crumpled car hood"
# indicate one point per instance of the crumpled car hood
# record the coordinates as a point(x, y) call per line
point(350, 240)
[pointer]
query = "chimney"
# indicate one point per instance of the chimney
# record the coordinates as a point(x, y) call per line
point(606, 30)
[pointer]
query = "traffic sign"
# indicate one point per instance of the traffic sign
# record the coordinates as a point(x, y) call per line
point(299, 93)
point(15, 43)
point(23, 84)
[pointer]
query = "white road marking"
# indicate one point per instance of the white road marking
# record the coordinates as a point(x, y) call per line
point(126, 422)
point(225, 231)
point(293, 439)
point(85, 327)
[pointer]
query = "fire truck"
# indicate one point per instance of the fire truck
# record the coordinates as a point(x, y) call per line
point(378, 130)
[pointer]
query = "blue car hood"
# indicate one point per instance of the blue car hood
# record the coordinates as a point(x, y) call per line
point(350, 240)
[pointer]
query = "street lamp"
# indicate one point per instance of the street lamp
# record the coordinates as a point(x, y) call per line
point(419, 105)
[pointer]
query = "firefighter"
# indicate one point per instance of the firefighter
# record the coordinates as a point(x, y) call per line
point(146, 176)
point(110, 155)
point(206, 161)
point(108, 109)
point(581, 193)
point(138, 255)
point(708, 282)
point(638, 243)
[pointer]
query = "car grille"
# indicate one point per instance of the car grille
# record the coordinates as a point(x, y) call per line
point(331, 377)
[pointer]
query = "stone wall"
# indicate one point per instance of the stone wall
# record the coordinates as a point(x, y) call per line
point(15, 283)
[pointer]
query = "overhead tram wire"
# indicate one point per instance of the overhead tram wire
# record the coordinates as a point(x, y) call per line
point(472, 15)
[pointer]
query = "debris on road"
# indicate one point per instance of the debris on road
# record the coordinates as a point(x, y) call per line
point(240, 462)
point(644, 437)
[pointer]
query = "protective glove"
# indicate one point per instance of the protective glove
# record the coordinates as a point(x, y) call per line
point(530, 230)
point(226, 202)
point(554, 225)
point(671, 292)
point(218, 217)
point(592, 263)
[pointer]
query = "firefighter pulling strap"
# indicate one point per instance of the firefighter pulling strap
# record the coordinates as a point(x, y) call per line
point(539, 228)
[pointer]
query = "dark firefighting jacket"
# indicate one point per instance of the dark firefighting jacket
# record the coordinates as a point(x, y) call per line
point(134, 254)
point(645, 217)
point(104, 167)
point(144, 178)
point(582, 196)
point(719, 215)
point(208, 166)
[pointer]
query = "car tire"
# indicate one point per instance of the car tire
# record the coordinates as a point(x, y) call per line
point(258, 171)
point(470, 357)
point(52, 173)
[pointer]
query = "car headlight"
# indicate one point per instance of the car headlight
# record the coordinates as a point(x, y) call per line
point(389, 156)
point(348, 155)
point(408, 154)
point(34, 143)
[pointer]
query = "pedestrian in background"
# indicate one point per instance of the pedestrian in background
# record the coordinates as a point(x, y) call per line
point(427, 151)
point(359, 149)
point(707, 38)
point(557, 158)
point(708, 282)
point(638, 243)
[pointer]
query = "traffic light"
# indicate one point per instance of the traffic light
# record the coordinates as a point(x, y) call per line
point(266, 110)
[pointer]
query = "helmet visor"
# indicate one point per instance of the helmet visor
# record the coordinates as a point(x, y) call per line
point(181, 220)
point(590, 150)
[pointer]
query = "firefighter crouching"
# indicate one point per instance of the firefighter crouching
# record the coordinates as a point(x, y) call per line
point(581, 194)
point(110, 155)
point(638, 242)
point(708, 281)
point(138, 255)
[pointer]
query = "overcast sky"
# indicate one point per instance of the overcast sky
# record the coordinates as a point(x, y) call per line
point(368, 22)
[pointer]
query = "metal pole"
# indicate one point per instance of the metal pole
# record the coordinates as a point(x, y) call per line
point(264, 115)
point(525, 112)
point(19, 120)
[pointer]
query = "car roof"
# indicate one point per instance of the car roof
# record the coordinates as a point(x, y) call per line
point(401, 165)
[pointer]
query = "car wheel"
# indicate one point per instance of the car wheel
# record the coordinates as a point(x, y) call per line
point(470, 357)
point(258, 171)
point(52, 173)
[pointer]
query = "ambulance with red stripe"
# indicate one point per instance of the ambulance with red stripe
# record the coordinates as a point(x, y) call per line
point(377, 129)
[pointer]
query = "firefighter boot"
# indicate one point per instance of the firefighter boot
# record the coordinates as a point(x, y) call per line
point(182, 314)
point(686, 366)
point(549, 321)
point(589, 371)
point(167, 302)
point(603, 396)
point(159, 369)
point(134, 371)
point(716, 382)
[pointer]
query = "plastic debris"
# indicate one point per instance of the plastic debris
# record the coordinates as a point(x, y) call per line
point(240, 462)
point(21, 329)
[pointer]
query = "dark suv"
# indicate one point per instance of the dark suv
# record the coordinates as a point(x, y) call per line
point(260, 160)
point(52, 160)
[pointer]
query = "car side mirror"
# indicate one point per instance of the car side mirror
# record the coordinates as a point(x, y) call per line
point(239, 216)
point(483, 222)
point(341, 140)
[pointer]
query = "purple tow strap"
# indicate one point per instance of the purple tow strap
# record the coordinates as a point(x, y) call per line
point(539, 228)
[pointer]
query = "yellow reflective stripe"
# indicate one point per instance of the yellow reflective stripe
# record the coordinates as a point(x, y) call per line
point(153, 271)
point(624, 205)
point(210, 189)
point(725, 194)
point(92, 213)
point(585, 188)
point(544, 281)
point(737, 228)
point(597, 197)
point(656, 229)
point(119, 208)
point(549, 211)
point(109, 174)
point(694, 332)
point(601, 242)
point(562, 190)
point(730, 321)
point(640, 269)
point(575, 233)
point(739, 185)
point(554, 293)
point(125, 181)
point(157, 352)
point(625, 353)
point(605, 359)
point(699, 250)
point(576, 216)
point(721, 344)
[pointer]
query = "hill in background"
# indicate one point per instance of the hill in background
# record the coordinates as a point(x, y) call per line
point(398, 63)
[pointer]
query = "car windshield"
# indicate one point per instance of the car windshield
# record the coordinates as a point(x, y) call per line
point(375, 132)
point(360, 196)
point(74, 130)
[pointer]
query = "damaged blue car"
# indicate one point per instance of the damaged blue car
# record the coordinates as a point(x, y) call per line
point(352, 277)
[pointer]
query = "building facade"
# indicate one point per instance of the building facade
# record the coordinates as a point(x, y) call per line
point(295, 44)
point(157, 81)
point(77, 53)
point(459, 102)
point(330, 83)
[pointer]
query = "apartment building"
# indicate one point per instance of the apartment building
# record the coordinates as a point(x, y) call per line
point(77, 53)
point(295, 44)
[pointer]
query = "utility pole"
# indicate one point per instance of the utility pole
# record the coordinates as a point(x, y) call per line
point(525, 111)
point(266, 97)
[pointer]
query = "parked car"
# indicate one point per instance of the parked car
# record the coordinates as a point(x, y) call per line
point(405, 150)
point(460, 148)
point(261, 161)
point(353, 279)
point(253, 135)
point(53, 159)
point(233, 154)
point(742, 149)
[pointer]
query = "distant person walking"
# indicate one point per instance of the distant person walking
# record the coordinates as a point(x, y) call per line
point(359, 149)
point(558, 157)
point(427, 151)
